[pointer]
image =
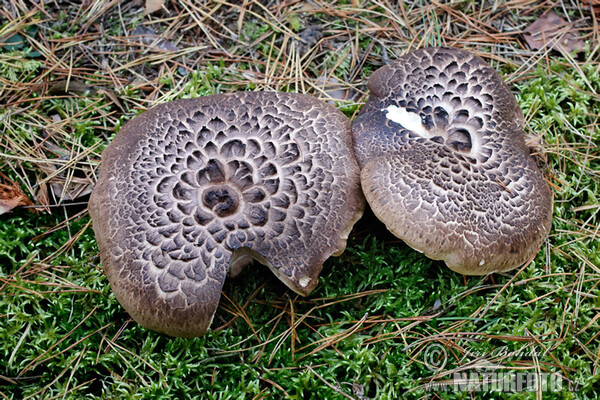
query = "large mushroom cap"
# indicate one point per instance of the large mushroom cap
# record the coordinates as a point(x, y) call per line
point(445, 165)
point(195, 189)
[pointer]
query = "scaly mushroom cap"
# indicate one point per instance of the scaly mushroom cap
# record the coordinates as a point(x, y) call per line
point(445, 165)
point(195, 189)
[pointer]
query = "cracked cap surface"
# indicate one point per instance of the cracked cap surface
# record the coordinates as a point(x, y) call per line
point(193, 190)
point(445, 165)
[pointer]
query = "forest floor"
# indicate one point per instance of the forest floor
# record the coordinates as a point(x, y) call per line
point(385, 321)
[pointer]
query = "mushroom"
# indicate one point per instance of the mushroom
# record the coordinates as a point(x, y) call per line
point(445, 165)
point(193, 190)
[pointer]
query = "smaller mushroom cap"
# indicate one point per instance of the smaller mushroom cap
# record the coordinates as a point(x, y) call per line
point(193, 190)
point(445, 165)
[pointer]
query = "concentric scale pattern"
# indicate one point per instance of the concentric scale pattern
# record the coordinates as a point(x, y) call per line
point(445, 164)
point(193, 190)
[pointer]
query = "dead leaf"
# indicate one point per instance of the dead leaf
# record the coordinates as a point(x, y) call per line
point(11, 196)
point(66, 188)
point(111, 95)
point(42, 198)
point(153, 5)
point(550, 30)
point(76, 188)
point(148, 38)
point(66, 87)
point(310, 37)
point(336, 90)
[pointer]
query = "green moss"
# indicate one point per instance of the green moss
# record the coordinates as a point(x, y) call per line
point(378, 308)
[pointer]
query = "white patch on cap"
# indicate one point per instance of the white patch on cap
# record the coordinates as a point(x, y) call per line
point(304, 281)
point(409, 120)
point(481, 262)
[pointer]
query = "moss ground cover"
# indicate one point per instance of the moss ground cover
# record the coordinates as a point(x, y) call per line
point(385, 322)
